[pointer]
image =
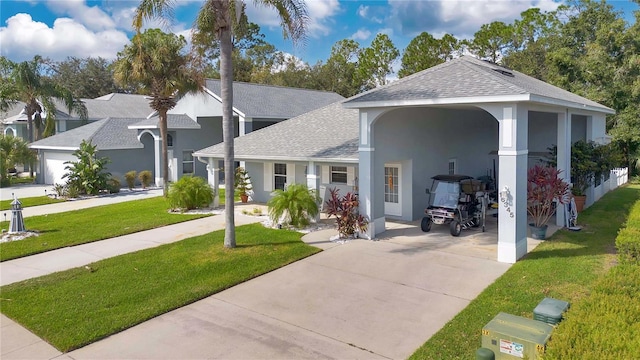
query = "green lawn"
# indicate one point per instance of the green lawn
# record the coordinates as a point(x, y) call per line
point(568, 266)
point(30, 201)
point(76, 307)
point(92, 224)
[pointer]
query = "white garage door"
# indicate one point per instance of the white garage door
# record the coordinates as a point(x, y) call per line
point(54, 164)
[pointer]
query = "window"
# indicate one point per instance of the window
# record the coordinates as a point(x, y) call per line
point(187, 162)
point(452, 166)
point(280, 175)
point(338, 174)
point(169, 140)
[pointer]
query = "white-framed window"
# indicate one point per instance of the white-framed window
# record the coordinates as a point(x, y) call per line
point(338, 175)
point(187, 162)
point(452, 166)
point(279, 175)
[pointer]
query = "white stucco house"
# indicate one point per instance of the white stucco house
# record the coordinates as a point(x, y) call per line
point(134, 142)
point(460, 117)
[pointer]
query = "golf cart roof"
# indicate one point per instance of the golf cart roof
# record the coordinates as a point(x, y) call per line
point(453, 178)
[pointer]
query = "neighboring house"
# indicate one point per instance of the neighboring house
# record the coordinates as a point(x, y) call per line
point(462, 117)
point(111, 105)
point(194, 123)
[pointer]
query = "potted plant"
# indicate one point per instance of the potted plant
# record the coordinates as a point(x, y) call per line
point(544, 187)
point(242, 183)
point(583, 168)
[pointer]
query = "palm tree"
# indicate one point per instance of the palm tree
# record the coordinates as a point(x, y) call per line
point(26, 83)
point(13, 150)
point(218, 18)
point(154, 62)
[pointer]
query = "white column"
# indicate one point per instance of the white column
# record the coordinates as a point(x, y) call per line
point(213, 178)
point(313, 182)
point(512, 213)
point(157, 149)
point(370, 207)
point(563, 157)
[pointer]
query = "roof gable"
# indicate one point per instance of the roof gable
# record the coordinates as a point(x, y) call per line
point(467, 77)
point(106, 134)
point(268, 101)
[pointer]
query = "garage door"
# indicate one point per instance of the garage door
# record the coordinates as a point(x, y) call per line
point(54, 164)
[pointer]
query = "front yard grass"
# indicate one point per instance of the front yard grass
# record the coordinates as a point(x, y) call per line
point(73, 308)
point(30, 201)
point(568, 266)
point(92, 224)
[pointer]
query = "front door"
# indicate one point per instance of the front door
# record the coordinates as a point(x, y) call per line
point(392, 204)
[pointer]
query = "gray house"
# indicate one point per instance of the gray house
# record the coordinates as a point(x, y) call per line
point(111, 105)
point(194, 123)
point(461, 117)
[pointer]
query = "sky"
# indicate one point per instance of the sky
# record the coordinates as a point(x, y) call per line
point(101, 28)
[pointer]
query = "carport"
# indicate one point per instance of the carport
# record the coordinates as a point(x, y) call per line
point(450, 119)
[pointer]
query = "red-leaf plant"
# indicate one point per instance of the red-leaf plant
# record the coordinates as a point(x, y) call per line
point(543, 187)
point(345, 209)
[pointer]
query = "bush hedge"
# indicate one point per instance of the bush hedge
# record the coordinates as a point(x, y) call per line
point(628, 240)
point(604, 325)
point(190, 192)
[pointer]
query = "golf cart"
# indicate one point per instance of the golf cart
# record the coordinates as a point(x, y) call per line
point(456, 200)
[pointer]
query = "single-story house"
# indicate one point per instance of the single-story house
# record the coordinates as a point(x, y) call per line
point(195, 122)
point(462, 117)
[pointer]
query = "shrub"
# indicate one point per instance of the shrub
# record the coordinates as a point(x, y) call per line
point(543, 188)
point(88, 174)
point(71, 191)
point(60, 190)
point(603, 325)
point(345, 209)
point(113, 185)
point(298, 204)
point(190, 192)
point(130, 178)
point(145, 178)
point(628, 240)
point(242, 181)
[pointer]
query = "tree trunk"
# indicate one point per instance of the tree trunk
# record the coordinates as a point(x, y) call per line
point(165, 153)
point(30, 134)
point(226, 92)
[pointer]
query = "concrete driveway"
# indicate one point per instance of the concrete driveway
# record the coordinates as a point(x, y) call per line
point(361, 300)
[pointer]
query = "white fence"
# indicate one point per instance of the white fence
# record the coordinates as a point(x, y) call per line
point(617, 177)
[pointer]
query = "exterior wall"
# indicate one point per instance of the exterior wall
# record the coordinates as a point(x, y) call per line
point(578, 128)
point(423, 140)
point(259, 171)
point(198, 105)
point(123, 161)
point(543, 130)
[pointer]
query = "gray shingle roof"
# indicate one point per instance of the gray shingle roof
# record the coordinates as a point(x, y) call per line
point(174, 122)
point(468, 77)
point(328, 133)
point(267, 101)
point(115, 106)
point(107, 134)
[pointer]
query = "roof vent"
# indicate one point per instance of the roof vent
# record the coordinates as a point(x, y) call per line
point(503, 72)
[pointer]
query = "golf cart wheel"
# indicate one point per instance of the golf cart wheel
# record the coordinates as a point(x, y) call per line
point(425, 225)
point(455, 227)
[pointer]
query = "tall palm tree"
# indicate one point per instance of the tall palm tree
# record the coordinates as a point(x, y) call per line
point(25, 82)
point(154, 62)
point(219, 18)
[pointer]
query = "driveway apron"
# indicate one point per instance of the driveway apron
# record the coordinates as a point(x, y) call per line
point(361, 299)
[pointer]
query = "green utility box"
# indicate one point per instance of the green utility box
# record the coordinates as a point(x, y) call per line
point(514, 337)
point(550, 310)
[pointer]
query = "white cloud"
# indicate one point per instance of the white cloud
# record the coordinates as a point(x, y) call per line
point(363, 11)
point(92, 17)
point(361, 34)
point(23, 38)
point(320, 14)
point(461, 18)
